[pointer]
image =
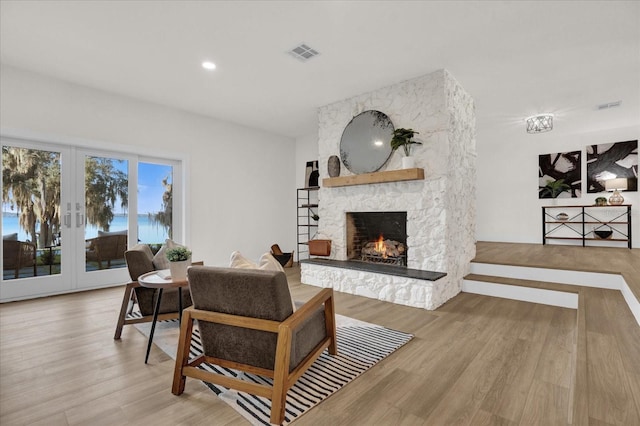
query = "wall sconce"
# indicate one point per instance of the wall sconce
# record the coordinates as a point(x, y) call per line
point(539, 123)
point(615, 185)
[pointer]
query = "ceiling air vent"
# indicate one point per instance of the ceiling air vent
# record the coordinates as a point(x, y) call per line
point(609, 105)
point(303, 52)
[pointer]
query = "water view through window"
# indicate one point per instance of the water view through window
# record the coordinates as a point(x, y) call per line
point(34, 219)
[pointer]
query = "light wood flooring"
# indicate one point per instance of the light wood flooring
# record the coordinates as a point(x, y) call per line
point(477, 360)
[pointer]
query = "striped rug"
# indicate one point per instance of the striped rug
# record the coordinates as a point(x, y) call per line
point(361, 345)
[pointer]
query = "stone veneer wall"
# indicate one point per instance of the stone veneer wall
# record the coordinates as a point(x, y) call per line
point(440, 209)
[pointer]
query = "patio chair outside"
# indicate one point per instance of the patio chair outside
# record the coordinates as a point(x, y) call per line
point(17, 255)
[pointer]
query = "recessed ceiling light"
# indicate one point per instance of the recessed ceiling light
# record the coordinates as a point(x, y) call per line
point(208, 65)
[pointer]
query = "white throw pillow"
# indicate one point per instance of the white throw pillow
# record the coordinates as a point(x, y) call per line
point(160, 260)
point(269, 263)
point(143, 248)
point(239, 261)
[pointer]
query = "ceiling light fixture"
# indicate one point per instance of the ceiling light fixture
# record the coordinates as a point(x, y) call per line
point(208, 65)
point(539, 123)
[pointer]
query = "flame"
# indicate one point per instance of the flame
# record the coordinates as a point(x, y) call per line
point(380, 248)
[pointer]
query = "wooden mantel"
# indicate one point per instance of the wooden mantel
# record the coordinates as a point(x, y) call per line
point(375, 177)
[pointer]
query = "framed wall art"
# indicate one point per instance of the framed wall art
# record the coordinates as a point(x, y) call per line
point(612, 161)
point(311, 174)
point(559, 175)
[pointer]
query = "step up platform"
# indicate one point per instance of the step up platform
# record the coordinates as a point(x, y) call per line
point(553, 287)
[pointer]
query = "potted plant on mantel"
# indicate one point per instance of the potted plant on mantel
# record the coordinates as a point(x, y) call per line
point(179, 260)
point(404, 138)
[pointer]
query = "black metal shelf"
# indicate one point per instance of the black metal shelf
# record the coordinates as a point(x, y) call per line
point(304, 225)
point(587, 216)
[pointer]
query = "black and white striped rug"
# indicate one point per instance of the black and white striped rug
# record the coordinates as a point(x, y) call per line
point(361, 345)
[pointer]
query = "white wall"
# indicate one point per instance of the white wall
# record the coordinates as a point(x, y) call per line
point(240, 180)
point(508, 206)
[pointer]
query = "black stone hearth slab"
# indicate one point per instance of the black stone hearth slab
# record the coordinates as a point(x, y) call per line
point(399, 271)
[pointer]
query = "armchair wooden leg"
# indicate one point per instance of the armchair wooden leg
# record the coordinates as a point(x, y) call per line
point(123, 309)
point(280, 375)
point(330, 324)
point(182, 357)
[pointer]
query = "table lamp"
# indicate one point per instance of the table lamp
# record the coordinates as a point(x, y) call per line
point(616, 185)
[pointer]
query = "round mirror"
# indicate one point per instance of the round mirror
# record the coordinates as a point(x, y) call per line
point(365, 147)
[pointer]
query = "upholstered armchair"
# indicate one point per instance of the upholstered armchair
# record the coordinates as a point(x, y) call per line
point(17, 255)
point(140, 261)
point(247, 322)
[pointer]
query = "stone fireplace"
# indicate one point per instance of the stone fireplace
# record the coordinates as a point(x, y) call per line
point(438, 212)
point(377, 237)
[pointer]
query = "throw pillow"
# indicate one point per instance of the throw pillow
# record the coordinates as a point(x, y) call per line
point(269, 263)
point(160, 260)
point(239, 261)
point(143, 248)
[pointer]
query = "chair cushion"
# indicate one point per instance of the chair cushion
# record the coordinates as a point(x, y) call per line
point(139, 261)
point(266, 263)
point(246, 292)
point(11, 237)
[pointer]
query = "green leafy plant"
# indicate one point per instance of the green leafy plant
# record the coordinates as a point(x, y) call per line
point(178, 254)
point(601, 201)
point(404, 138)
point(553, 188)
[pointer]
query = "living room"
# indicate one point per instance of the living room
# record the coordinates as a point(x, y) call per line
point(243, 160)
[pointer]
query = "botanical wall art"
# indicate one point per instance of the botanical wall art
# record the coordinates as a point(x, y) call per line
point(559, 175)
point(610, 161)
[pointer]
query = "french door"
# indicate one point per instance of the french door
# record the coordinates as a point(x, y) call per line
point(69, 213)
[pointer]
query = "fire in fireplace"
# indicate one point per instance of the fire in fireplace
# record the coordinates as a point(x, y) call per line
point(385, 251)
point(377, 237)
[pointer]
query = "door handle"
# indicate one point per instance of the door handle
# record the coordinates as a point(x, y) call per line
point(79, 220)
point(67, 220)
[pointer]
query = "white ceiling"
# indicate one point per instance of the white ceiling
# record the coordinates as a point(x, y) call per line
point(516, 58)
